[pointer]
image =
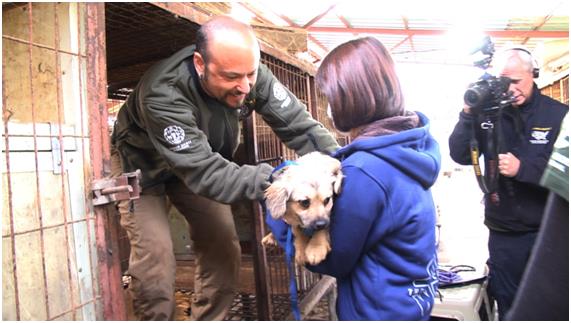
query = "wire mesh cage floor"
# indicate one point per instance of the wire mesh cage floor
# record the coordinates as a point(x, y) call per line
point(244, 306)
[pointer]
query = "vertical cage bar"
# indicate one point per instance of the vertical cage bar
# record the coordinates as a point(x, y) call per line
point(6, 114)
point(261, 275)
point(62, 157)
point(35, 140)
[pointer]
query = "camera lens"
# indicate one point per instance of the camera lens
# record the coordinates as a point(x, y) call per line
point(473, 97)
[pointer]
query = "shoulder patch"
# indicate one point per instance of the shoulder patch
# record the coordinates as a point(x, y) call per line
point(174, 134)
point(539, 135)
point(279, 91)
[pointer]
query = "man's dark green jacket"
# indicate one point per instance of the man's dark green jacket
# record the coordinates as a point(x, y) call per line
point(169, 127)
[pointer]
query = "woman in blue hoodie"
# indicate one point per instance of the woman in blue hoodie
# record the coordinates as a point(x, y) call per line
point(383, 223)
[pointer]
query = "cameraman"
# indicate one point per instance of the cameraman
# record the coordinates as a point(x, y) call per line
point(513, 211)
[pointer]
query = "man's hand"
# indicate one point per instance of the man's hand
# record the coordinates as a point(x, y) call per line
point(466, 109)
point(508, 164)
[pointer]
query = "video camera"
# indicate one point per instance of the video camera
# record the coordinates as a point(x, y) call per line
point(489, 93)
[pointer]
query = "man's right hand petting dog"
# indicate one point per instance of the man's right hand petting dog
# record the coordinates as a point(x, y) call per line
point(302, 195)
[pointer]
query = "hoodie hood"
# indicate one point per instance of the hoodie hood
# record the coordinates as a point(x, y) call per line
point(414, 152)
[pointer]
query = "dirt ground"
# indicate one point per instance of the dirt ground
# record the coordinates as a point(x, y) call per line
point(244, 306)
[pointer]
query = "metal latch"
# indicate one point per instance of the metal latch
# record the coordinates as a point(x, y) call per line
point(121, 188)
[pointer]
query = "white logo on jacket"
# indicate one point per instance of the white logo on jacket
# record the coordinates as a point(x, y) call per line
point(539, 137)
point(424, 290)
point(174, 134)
point(280, 94)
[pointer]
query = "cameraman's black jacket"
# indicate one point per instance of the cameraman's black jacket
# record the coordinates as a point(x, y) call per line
point(529, 133)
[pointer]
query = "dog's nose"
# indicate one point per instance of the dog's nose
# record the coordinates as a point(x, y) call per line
point(320, 224)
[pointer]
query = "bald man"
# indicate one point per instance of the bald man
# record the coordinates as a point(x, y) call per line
point(180, 127)
point(513, 213)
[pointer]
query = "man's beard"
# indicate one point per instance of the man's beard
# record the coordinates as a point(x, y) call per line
point(225, 95)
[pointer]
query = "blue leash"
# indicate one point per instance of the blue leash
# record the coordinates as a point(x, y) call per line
point(289, 252)
point(291, 269)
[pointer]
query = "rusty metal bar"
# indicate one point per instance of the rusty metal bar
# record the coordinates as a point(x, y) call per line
point(61, 152)
point(118, 189)
point(37, 45)
point(33, 106)
point(6, 117)
point(73, 309)
point(108, 262)
point(312, 99)
point(45, 227)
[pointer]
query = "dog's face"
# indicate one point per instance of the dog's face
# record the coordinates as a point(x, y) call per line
point(303, 193)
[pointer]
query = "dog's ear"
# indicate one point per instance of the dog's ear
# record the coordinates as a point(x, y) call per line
point(276, 198)
point(337, 181)
point(337, 177)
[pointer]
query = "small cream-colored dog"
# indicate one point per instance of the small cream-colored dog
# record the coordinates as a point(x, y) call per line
point(302, 194)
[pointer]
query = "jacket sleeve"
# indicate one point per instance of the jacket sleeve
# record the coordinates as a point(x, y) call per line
point(289, 118)
point(351, 224)
point(531, 168)
point(174, 134)
point(459, 140)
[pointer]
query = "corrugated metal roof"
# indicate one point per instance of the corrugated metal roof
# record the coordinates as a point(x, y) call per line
point(419, 30)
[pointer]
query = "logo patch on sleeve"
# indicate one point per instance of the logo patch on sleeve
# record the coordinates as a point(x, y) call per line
point(280, 94)
point(175, 135)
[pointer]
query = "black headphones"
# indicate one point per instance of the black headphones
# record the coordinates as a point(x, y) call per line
point(535, 70)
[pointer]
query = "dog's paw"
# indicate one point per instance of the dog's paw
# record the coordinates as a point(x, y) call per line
point(300, 258)
point(316, 254)
point(269, 240)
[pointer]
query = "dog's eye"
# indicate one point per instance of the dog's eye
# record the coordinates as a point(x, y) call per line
point(326, 201)
point(304, 203)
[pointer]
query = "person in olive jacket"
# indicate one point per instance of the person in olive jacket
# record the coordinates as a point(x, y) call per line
point(180, 127)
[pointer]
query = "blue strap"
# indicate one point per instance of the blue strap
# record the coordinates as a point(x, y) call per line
point(291, 269)
point(280, 166)
point(289, 248)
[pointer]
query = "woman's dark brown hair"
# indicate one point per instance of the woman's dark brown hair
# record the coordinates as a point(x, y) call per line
point(360, 82)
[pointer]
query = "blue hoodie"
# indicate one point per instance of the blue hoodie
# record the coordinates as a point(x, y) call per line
point(383, 227)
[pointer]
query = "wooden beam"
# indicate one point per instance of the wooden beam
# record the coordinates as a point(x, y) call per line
point(200, 16)
point(291, 23)
point(308, 303)
point(316, 18)
point(288, 39)
point(437, 32)
point(400, 43)
point(545, 19)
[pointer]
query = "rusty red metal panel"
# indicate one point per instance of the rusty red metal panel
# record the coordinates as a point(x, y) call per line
point(107, 251)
